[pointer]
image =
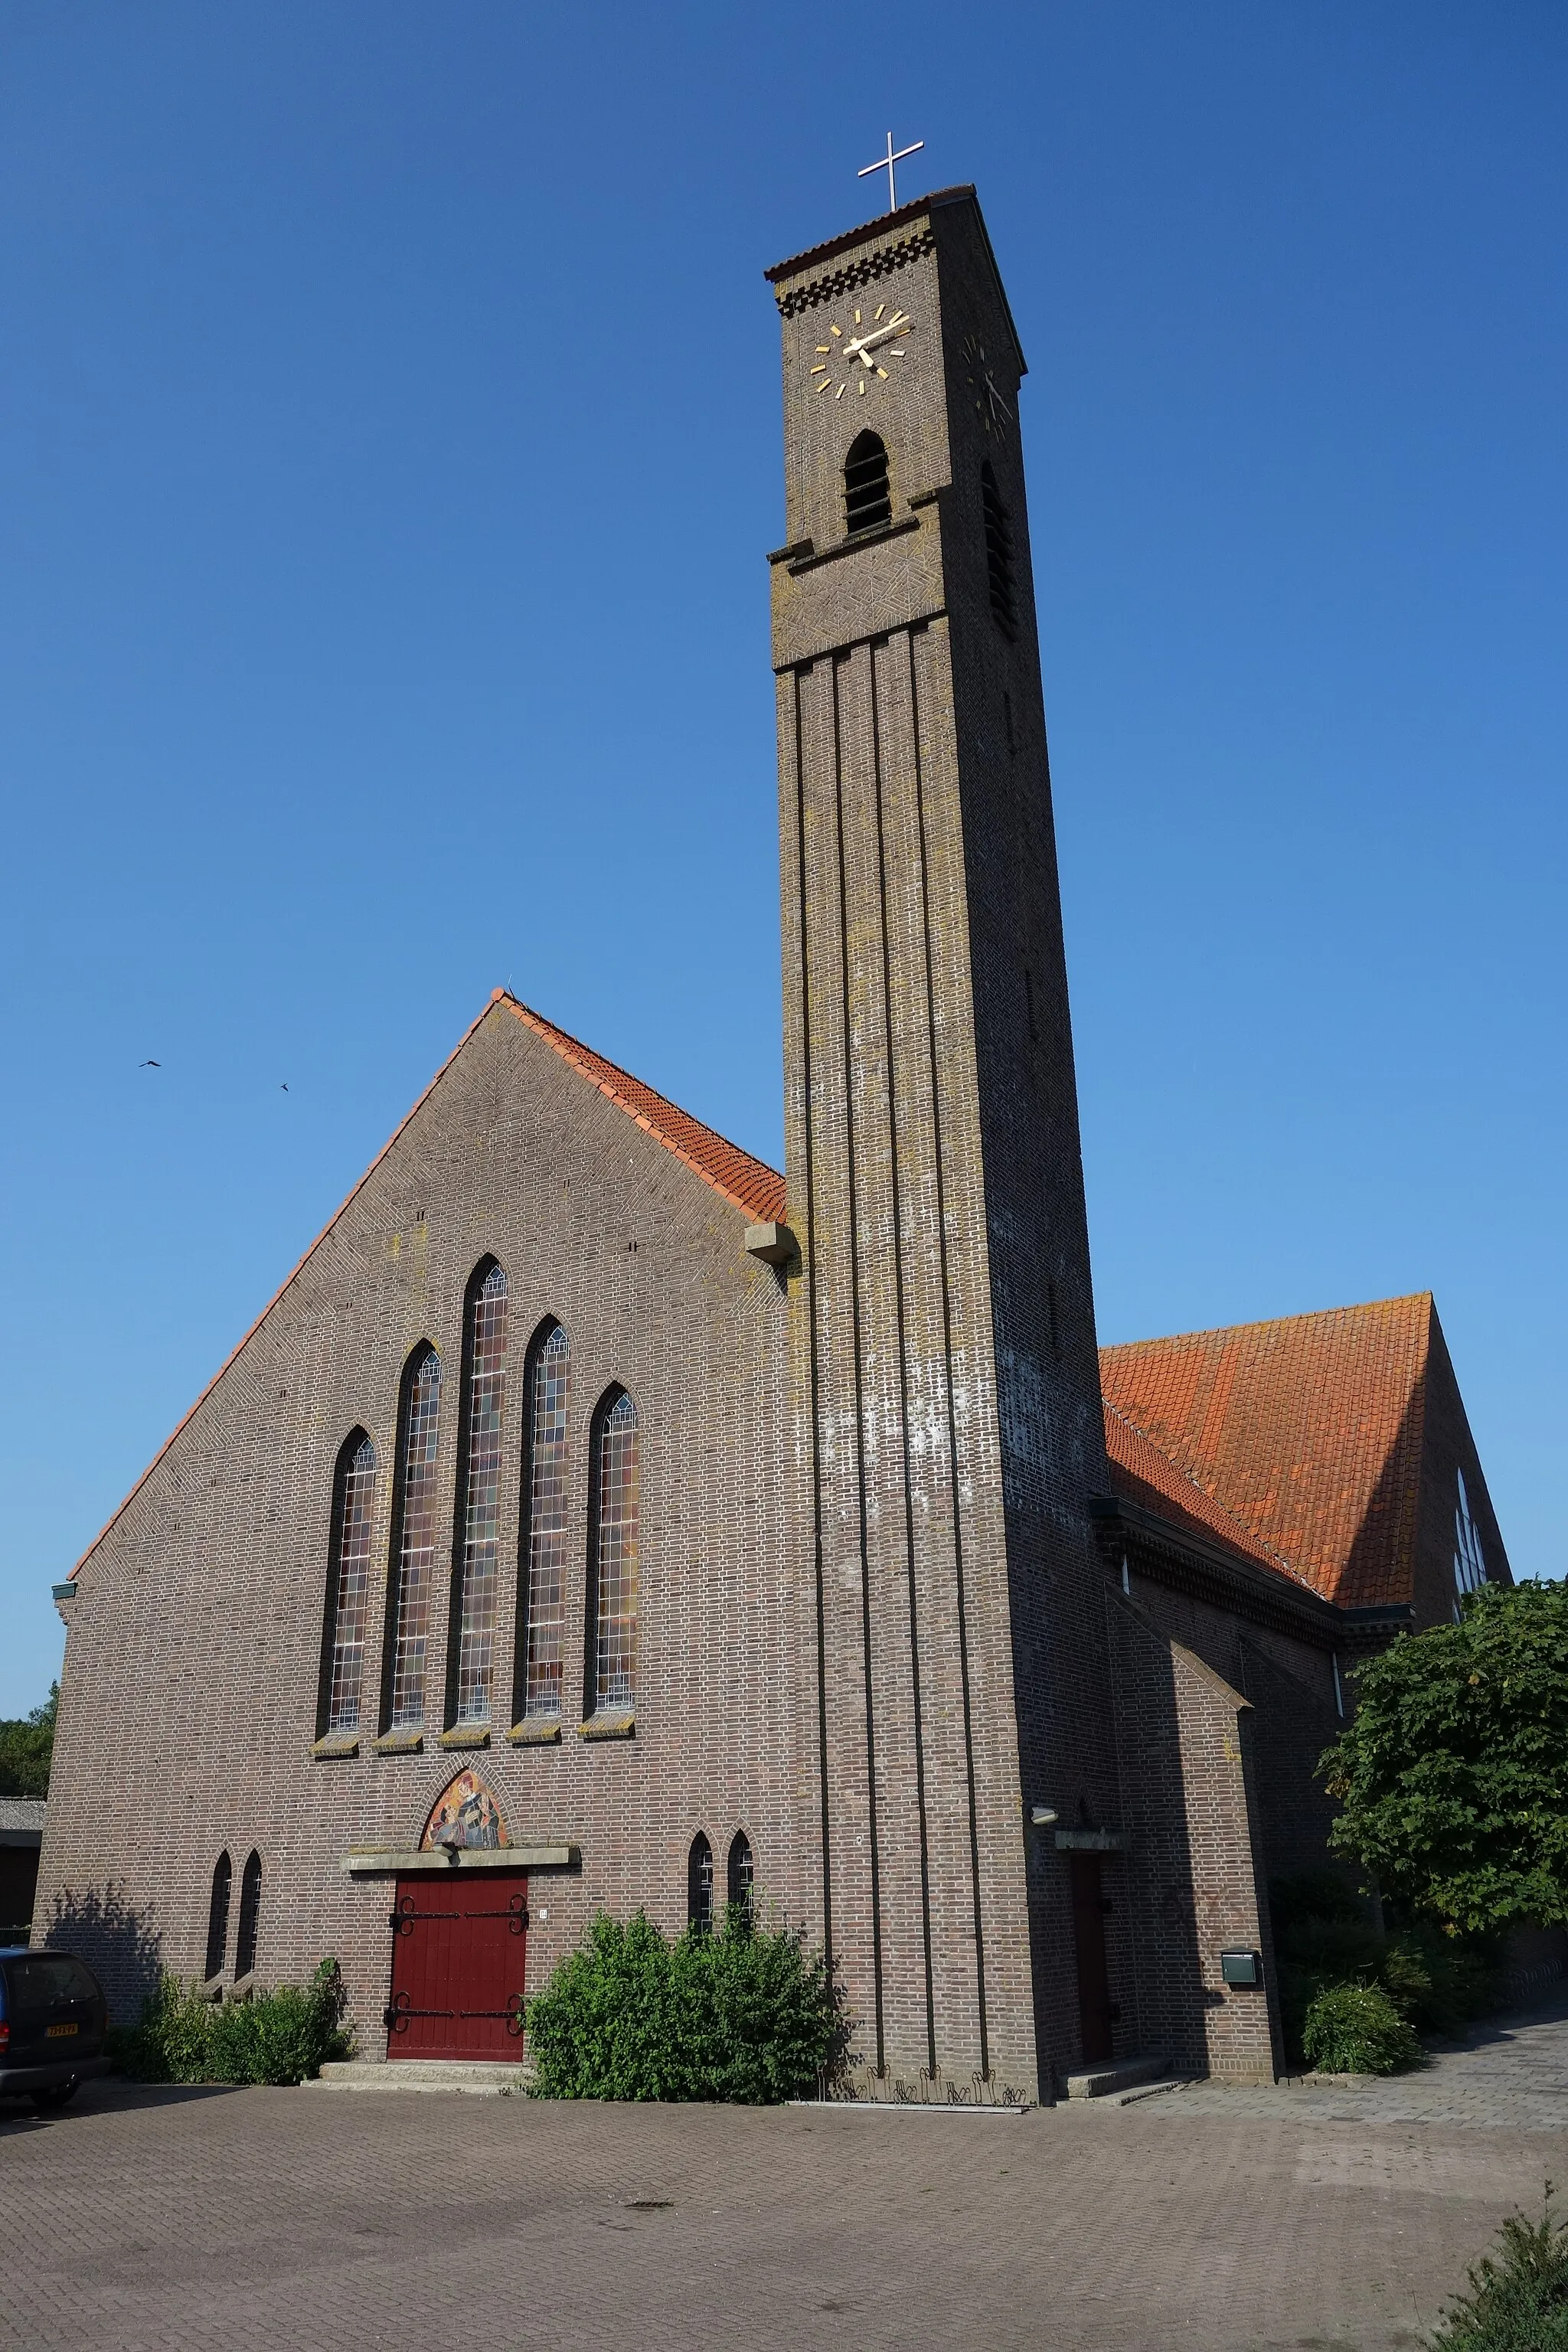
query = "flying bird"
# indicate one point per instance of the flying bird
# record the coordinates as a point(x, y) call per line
point(150, 1066)
point(285, 1085)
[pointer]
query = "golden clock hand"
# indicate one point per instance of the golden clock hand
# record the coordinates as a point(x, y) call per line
point(858, 345)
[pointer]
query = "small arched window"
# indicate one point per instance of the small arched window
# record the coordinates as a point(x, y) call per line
point(348, 1585)
point(217, 1916)
point(867, 497)
point(249, 1913)
point(613, 1566)
point(741, 1873)
point(998, 551)
point(548, 1493)
point(699, 1885)
point(414, 1541)
point(478, 1528)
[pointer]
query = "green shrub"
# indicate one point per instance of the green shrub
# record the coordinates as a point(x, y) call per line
point(1355, 2029)
point(1518, 2302)
point(1324, 1936)
point(744, 2015)
point(276, 2037)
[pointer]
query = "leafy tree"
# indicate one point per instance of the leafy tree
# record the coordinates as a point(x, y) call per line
point(26, 1746)
point(1453, 1775)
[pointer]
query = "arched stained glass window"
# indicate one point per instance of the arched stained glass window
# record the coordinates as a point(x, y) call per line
point(866, 498)
point(250, 1914)
point(699, 1885)
point(741, 1873)
point(416, 1544)
point(480, 1535)
point(613, 1584)
point(217, 1916)
point(549, 1402)
point(347, 1583)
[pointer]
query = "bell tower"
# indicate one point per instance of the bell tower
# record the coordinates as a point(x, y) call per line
point(948, 1420)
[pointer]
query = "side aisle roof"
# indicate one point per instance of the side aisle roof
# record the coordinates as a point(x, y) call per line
point(1307, 1430)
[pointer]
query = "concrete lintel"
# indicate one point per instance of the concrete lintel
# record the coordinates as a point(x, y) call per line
point(376, 1862)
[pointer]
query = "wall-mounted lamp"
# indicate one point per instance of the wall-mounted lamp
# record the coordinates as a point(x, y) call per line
point(1042, 1816)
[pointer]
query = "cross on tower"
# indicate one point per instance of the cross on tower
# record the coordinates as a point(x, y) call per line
point(885, 162)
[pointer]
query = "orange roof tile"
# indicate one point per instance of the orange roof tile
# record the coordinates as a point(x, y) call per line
point(746, 1183)
point(1140, 1473)
point(1306, 1429)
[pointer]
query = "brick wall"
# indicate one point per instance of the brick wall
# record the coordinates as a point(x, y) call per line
point(1289, 1684)
point(1194, 1869)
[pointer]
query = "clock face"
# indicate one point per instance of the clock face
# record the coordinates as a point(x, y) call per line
point(989, 406)
point(853, 357)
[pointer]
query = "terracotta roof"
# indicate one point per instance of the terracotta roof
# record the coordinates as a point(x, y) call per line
point(747, 1183)
point(1140, 1473)
point(1307, 1431)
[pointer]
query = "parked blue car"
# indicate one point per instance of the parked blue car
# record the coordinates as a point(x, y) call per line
point(53, 2020)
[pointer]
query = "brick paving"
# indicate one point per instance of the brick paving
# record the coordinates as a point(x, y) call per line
point(1220, 2218)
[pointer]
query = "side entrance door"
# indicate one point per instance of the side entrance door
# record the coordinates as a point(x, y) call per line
point(1089, 1910)
point(458, 1947)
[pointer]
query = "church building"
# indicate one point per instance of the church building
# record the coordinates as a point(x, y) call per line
point(597, 1518)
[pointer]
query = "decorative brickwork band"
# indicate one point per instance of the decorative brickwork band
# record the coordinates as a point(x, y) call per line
point(864, 270)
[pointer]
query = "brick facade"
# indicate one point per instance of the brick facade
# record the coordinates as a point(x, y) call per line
point(189, 1697)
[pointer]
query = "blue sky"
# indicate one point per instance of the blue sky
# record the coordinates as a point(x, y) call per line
point(388, 449)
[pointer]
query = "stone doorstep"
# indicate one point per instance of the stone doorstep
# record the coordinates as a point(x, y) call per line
point(479, 2078)
point(1117, 2075)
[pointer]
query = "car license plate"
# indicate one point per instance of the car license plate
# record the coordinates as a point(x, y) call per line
point(54, 2031)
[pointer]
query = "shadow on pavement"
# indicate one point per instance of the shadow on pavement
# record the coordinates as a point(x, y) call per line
point(110, 2093)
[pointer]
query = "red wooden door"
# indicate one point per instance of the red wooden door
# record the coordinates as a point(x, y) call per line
point(1094, 2014)
point(458, 1948)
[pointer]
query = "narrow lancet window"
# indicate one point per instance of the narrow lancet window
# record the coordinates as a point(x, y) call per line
point(479, 1532)
point(741, 1873)
point(998, 552)
point(416, 1551)
point(249, 1916)
point(347, 1583)
point(217, 1916)
point(867, 497)
point(549, 1400)
point(613, 1583)
point(699, 1885)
